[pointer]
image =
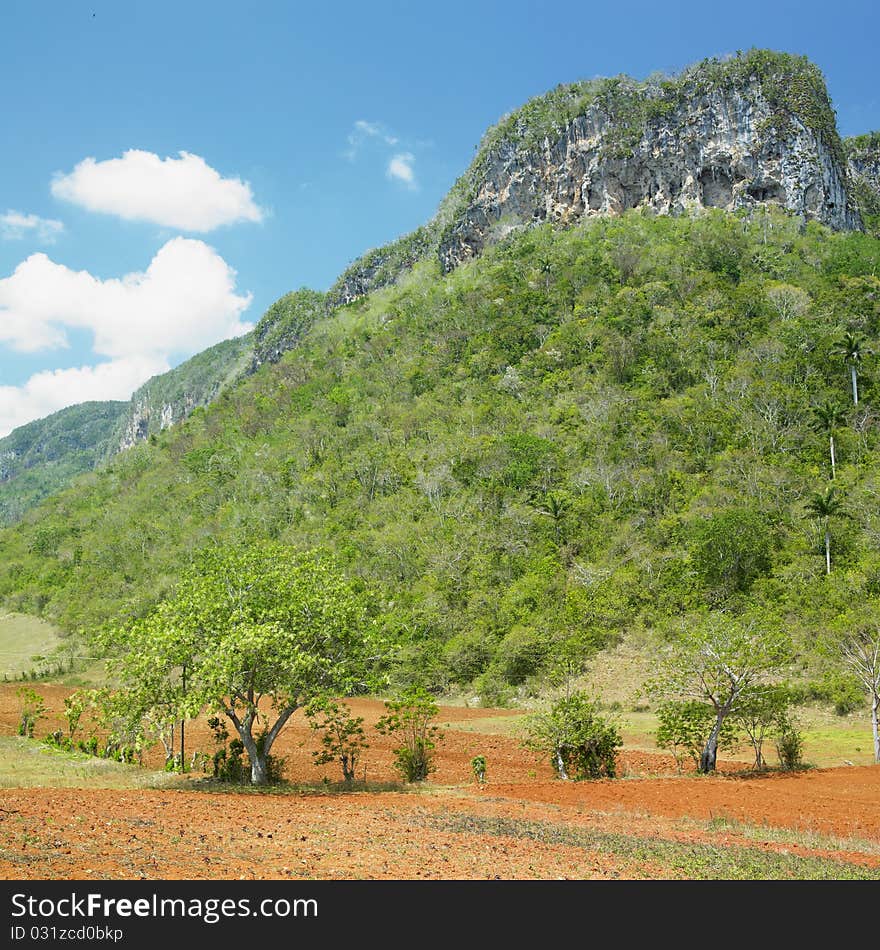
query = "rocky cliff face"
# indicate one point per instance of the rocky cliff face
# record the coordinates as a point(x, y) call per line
point(731, 134)
point(863, 164)
point(719, 150)
point(165, 400)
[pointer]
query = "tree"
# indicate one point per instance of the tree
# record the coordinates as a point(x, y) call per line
point(723, 662)
point(825, 507)
point(731, 549)
point(764, 714)
point(851, 351)
point(342, 735)
point(411, 718)
point(260, 631)
point(827, 418)
point(683, 727)
point(856, 644)
point(578, 740)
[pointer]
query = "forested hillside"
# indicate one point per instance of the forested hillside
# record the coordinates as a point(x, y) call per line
point(45, 455)
point(582, 432)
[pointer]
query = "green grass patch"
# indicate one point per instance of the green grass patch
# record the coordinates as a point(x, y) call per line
point(24, 642)
point(666, 859)
point(28, 763)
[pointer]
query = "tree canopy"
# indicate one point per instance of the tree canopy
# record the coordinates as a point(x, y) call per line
point(254, 633)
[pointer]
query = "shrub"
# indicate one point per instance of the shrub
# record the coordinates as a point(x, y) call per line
point(790, 747)
point(409, 717)
point(33, 709)
point(580, 743)
point(478, 767)
point(342, 735)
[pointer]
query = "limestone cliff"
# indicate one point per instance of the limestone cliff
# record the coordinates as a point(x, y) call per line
point(730, 134)
point(863, 164)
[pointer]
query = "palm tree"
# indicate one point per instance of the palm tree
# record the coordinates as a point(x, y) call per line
point(827, 417)
point(825, 507)
point(851, 351)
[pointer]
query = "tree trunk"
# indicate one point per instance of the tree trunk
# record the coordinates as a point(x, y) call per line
point(259, 758)
point(875, 728)
point(827, 551)
point(710, 753)
point(560, 765)
point(259, 770)
point(833, 460)
point(855, 384)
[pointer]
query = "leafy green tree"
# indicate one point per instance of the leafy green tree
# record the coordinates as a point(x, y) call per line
point(33, 709)
point(683, 727)
point(765, 714)
point(826, 506)
point(827, 418)
point(342, 735)
point(260, 631)
point(724, 663)
point(731, 548)
point(410, 718)
point(580, 742)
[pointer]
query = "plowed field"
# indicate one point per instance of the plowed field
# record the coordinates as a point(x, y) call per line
point(521, 824)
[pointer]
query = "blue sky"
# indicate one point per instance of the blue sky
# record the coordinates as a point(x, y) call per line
point(241, 150)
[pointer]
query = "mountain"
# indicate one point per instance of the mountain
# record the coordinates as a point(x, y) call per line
point(44, 456)
point(583, 433)
point(730, 134)
point(863, 163)
point(594, 424)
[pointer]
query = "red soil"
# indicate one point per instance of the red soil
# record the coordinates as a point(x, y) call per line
point(177, 833)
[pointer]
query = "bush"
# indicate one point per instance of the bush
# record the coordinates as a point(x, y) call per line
point(581, 743)
point(478, 767)
point(410, 718)
point(33, 709)
point(790, 747)
point(342, 735)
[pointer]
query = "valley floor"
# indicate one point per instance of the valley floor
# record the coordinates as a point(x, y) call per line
point(522, 824)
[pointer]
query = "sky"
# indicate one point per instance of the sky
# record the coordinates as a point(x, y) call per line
point(168, 170)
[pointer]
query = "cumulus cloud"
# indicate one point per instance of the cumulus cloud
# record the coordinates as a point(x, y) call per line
point(184, 193)
point(185, 301)
point(14, 226)
point(400, 168)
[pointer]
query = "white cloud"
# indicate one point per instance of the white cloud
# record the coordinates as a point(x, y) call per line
point(183, 302)
point(14, 226)
point(184, 193)
point(362, 131)
point(400, 168)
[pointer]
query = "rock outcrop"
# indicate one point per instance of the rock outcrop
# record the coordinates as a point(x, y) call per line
point(731, 134)
point(863, 164)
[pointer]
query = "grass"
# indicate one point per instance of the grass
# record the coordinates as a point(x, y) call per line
point(667, 859)
point(28, 763)
point(22, 639)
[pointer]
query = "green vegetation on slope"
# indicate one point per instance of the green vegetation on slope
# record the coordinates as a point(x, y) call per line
point(527, 457)
point(39, 458)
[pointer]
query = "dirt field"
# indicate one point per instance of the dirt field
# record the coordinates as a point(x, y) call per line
point(521, 824)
